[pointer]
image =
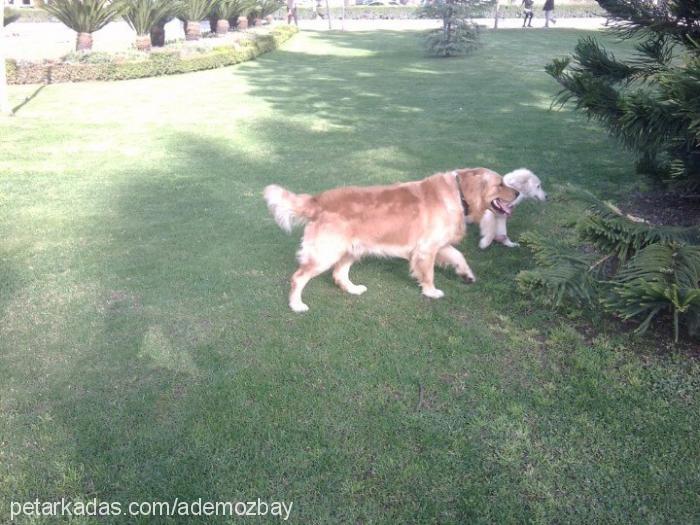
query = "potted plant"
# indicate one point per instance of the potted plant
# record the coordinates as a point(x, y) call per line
point(142, 16)
point(193, 12)
point(228, 10)
point(84, 17)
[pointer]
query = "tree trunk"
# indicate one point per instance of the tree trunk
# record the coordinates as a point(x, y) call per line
point(158, 35)
point(242, 22)
point(5, 108)
point(83, 42)
point(194, 30)
point(143, 42)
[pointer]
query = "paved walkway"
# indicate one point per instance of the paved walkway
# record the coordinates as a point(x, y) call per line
point(400, 25)
point(36, 41)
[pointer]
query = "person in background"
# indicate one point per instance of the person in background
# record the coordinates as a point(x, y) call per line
point(549, 13)
point(318, 10)
point(292, 12)
point(527, 12)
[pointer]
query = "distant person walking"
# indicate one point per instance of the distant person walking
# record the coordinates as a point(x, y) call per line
point(318, 10)
point(527, 6)
point(292, 12)
point(549, 13)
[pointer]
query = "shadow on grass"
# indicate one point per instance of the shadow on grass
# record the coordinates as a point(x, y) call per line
point(503, 128)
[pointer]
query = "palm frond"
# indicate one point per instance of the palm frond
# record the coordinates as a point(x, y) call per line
point(563, 271)
point(84, 16)
point(613, 232)
point(142, 15)
point(194, 10)
point(660, 277)
point(230, 9)
point(263, 8)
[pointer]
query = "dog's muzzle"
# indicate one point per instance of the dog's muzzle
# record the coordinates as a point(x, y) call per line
point(502, 207)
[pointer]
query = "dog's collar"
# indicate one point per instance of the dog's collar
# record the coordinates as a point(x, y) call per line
point(465, 205)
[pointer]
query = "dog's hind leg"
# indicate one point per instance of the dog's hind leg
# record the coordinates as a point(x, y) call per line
point(341, 275)
point(319, 251)
point(451, 256)
point(301, 277)
point(423, 268)
point(487, 227)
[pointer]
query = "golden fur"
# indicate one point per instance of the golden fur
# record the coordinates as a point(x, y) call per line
point(420, 221)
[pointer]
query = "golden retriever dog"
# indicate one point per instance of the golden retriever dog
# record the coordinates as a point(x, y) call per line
point(493, 226)
point(420, 221)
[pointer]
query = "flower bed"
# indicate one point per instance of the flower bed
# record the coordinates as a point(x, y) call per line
point(167, 61)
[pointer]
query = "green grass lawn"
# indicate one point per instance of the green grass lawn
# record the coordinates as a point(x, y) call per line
point(147, 351)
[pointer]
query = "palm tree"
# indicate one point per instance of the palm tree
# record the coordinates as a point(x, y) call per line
point(227, 10)
point(84, 17)
point(194, 11)
point(142, 15)
point(266, 8)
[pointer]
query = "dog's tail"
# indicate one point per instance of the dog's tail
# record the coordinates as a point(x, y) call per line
point(289, 209)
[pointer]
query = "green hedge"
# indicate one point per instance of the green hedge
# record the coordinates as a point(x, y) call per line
point(31, 14)
point(581, 10)
point(586, 10)
point(165, 62)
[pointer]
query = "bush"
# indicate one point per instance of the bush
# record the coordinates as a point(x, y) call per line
point(102, 66)
point(621, 266)
point(659, 277)
point(457, 35)
point(9, 16)
point(31, 14)
point(459, 38)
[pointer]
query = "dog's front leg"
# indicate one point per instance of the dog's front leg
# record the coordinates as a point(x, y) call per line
point(502, 233)
point(423, 269)
point(487, 228)
point(451, 256)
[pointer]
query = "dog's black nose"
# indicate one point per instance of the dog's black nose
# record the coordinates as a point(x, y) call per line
point(517, 193)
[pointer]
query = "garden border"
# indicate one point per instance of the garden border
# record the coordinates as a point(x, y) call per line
point(157, 63)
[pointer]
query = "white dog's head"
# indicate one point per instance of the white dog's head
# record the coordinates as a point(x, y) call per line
point(526, 183)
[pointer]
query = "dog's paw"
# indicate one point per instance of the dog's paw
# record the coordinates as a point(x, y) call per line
point(469, 279)
point(510, 244)
point(484, 243)
point(433, 293)
point(299, 307)
point(357, 289)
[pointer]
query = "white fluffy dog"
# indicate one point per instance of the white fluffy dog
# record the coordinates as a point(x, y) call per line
point(493, 227)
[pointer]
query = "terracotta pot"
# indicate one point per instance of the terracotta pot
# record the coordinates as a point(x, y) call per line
point(83, 42)
point(242, 22)
point(258, 22)
point(269, 19)
point(222, 27)
point(194, 30)
point(143, 42)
